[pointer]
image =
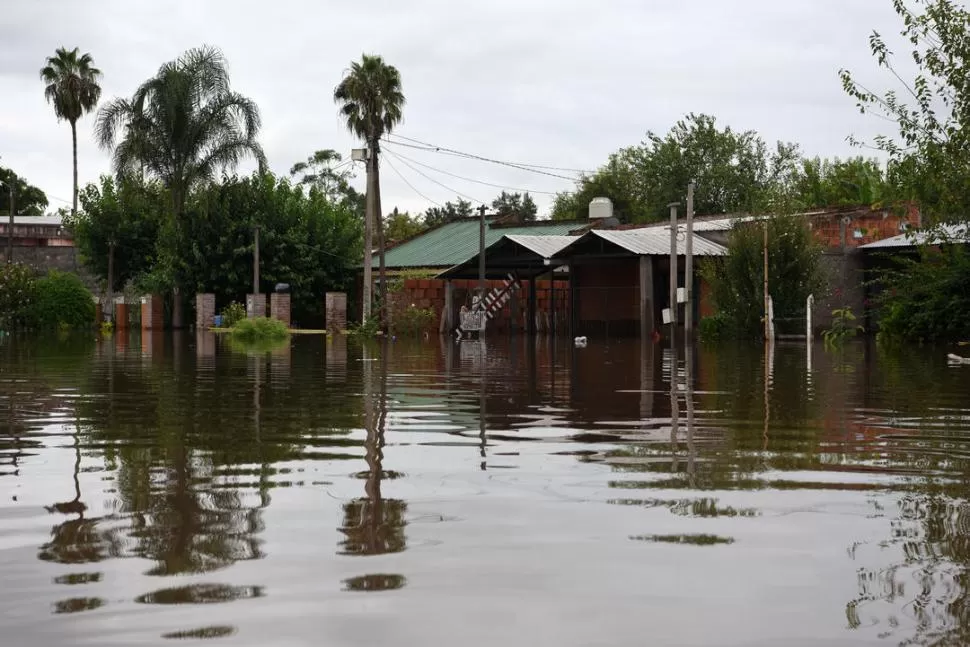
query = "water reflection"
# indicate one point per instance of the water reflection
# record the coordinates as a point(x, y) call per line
point(373, 524)
point(192, 473)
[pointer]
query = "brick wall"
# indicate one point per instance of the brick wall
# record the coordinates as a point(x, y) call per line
point(860, 226)
point(279, 307)
point(152, 312)
point(336, 305)
point(205, 310)
point(44, 259)
point(430, 293)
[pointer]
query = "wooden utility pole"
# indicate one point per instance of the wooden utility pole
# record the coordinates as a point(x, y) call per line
point(368, 236)
point(481, 256)
point(689, 262)
point(673, 266)
point(767, 322)
point(385, 311)
point(12, 188)
point(256, 263)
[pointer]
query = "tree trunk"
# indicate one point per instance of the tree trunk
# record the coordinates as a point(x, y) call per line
point(382, 273)
point(74, 142)
point(111, 281)
point(369, 236)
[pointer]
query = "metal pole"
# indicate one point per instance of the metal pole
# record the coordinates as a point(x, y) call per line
point(673, 266)
point(689, 261)
point(256, 265)
point(481, 256)
point(767, 323)
point(12, 187)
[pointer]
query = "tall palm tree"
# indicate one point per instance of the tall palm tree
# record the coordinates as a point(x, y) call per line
point(72, 87)
point(371, 102)
point(182, 126)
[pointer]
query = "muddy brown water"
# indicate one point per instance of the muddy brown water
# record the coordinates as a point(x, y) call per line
point(178, 489)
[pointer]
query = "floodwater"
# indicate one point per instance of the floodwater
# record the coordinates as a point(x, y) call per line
point(524, 492)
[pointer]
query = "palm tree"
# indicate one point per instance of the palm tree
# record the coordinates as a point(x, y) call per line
point(371, 101)
point(182, 126)
point(72, 86)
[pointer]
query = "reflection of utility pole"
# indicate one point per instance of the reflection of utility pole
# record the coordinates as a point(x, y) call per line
point(674, 405)
point(689, 397)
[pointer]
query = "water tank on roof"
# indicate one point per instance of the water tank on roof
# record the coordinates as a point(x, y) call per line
point(600, 208)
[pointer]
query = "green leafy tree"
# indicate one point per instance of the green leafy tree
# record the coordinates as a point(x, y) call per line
point(306, 241)
point(72, 88)
point(735, 171)
point(371, 102)
point(929, 154)
point(324, 171)
point(400, 225)
point(117, 229)
point(737, 280)
point(519, 206)
point(30, 201)
point(449, 211)
point(855, 181)
point(182, 126)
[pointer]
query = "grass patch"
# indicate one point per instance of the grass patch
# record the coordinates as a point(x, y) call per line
point(259, 329)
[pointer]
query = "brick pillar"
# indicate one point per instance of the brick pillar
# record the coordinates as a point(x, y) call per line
point(98, 311)
point(336, 311)
point(121, 314)
point(152, 312)
point(255, 305)
point(279, 307)
point(205, 311)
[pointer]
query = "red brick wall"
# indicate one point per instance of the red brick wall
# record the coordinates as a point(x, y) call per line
point(872, 225)
point(430, 293)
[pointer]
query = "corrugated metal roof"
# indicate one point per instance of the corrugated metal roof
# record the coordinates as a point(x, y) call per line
point(544, 246)
point(456, 242)
point(655, 241)
point(925, 237)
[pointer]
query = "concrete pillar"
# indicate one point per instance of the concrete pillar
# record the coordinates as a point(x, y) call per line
point(255, 305)
point(336, 311)
point(279, 307)
point(152, 312)
point(121, 314)
point(205, 311)
point(646, 297)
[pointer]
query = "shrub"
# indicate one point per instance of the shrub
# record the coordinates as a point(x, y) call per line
point(17, 294)
point(259, 328)
point(62, 302)
point(843, 327)
point(716, 327)
point(737, 280)
point(369, 328)
point(414, 321)
point(232, 314)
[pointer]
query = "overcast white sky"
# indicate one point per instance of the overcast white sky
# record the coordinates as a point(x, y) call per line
point(557, 82)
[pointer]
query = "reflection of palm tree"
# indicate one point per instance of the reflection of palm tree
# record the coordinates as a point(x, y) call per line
point(374, 525)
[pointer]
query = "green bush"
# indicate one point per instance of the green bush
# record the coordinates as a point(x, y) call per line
point(927, 298)
point(716, 327)
point(414, 321)
point(61, 301)
point(232, 314)
point(17, 294)
point(737, 280)
point(843, 327)
point(259, 328)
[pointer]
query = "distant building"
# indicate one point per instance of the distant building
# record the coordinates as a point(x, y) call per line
point(44, 243)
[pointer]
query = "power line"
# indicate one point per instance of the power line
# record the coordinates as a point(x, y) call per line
point(468, 179)
point(451, 150)
point(404, 179)
point(448, 151)
point(431, 179)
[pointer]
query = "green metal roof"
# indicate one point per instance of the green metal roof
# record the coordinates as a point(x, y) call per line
point(456, 242)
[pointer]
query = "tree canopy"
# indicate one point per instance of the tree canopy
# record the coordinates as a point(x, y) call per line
point(30, 201)
point(400, 225)
point(449, 211)
point(519, 206)
point(182, 126)
point(929, 154)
